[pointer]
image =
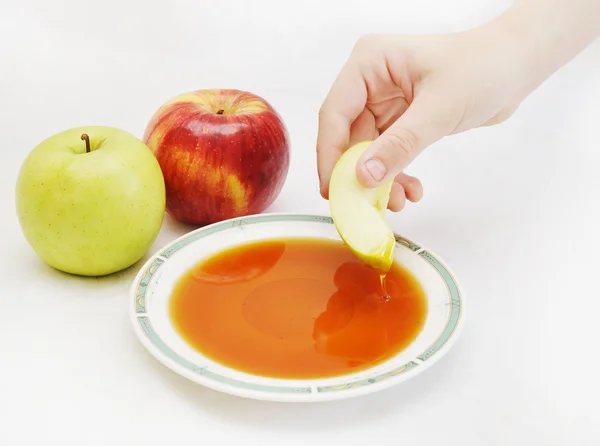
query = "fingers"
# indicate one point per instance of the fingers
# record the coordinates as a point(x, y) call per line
point(405, 187)
point(363, 128)
point(397, 198)
point(501, 116)
point(413, 189)
point(388, 111)
point(343, 104)
point(429, 118)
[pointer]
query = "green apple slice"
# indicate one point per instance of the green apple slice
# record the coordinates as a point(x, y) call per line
point(359, 213)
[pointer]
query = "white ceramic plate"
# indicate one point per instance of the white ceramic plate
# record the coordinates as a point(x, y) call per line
point(152, 287)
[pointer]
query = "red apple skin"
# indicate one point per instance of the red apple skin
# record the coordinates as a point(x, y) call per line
point(223, 153)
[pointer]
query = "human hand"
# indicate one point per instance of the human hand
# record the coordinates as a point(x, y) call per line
point(408, 91)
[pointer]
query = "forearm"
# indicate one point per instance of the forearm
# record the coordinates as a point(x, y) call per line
point(552, 32)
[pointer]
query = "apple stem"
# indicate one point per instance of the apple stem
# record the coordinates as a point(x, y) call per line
point(86, 138)
point(220, 111)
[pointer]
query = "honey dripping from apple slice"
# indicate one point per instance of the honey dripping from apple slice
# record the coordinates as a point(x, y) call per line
point(385, 295)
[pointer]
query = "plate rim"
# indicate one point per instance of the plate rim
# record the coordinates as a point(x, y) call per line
point(355, 389)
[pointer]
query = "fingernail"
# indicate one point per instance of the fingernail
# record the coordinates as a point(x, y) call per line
point(376, 168)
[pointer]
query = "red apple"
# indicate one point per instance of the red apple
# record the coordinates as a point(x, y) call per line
point(223, 154)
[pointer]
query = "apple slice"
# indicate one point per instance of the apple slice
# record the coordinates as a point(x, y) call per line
point(359, 212)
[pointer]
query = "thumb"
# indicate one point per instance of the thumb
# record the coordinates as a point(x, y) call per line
point(423, 123)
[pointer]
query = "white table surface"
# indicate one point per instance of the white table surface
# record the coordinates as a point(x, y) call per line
point(514, 210)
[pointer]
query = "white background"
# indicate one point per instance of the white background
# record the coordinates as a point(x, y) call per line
point(519, 226)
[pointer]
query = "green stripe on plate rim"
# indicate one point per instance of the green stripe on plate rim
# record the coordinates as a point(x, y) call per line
point(168, 252)
point(167, 351)
point(217, 227)
point(254, 219)
point(142, 286)
point(146, 326)
point(365, 382)
point(455, 306)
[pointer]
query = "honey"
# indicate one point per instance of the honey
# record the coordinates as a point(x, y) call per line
point(296, 308)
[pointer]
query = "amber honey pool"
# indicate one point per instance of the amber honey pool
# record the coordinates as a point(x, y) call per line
point(297, 308)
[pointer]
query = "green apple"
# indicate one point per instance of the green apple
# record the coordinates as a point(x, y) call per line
point(359, 213)
point(90, 200)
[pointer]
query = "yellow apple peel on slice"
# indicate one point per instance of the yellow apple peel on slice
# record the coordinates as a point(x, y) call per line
point(359, 213)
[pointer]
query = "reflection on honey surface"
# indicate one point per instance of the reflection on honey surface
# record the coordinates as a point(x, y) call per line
point(297, 308)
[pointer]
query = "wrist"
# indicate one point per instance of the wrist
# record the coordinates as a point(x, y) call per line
point(549, 33)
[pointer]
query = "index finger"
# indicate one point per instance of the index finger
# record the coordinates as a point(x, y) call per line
point(344, 102)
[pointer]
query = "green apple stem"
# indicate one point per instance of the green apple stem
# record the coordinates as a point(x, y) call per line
point(220, 111)
point(86, 138)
